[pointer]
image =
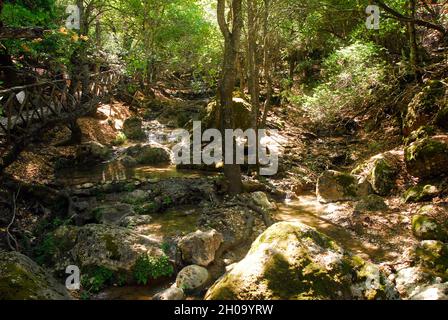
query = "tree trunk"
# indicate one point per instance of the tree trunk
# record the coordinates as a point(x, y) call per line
point(267, 63)
point(232, 171)
point(413, 54)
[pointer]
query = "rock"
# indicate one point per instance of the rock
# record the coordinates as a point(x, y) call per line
point(371, 203)
point(200, 247)
point(438, 291)
point(426, 227)
point(261, 199)
point(147, 155)
point(192, 278)
point(135, 221)
point(422, 132)
point(423, 106)
point(409, 281)
point(112, 213)
point(23, 279)
point(91, 152)
point(241, 111)
point(381, 171)
point(333, 186)
point(97, 245)
point(433, 256)
point(428, 157)
point(293, 261)
point(420, 193)
point(128, 161)
point(133, 129)
point(172, 293)
point(137, 196)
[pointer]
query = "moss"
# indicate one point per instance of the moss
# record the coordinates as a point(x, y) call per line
point(427, 228)
point(433, 255)
point(420, 133)
point(112, 247)
point(16, 283)
point(420, 193)
point(348, 183)
point(371, 203)
point(383, 177)
point(424, 148)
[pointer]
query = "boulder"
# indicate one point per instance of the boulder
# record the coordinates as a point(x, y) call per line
point(23, 279)
point(200, 247)
point(430, 223)
point(293, 261)
point(333, 186)
point(96, 245)
point(261, 199)
point(133, 129)
point(148, 155)
point(410, 280)
point(433, 256)
point(438, 291)
point(427, 157)
point(192, 278)
point(371, 202)
point(112, 214)
point(92, 151)
point(421, 192)
point(423, 106)
point(241, 110)
point(173, 293)
point(135, 221)
point(381, 171)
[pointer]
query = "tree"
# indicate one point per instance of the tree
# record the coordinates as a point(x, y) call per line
point(232, 33)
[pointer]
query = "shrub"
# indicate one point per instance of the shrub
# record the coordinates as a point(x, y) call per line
point(148, 267)
point(352, 76)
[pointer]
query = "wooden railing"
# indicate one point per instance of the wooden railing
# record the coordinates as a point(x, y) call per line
point(27, 109)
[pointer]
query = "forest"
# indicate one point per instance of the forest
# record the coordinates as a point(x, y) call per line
point(223, 150)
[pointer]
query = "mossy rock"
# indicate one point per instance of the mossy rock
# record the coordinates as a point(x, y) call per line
point(381, 172)
point(291, 261)
point(420, 133)
point(421, 192)
point(23, 279)
point(371, 203)
point(423, 106)
point(433, 256)
point(425, 227)
point(104, 246)
point(427, 157)
point(133, 129)
point(241, 110)
point(148, 155)
point(333, 186)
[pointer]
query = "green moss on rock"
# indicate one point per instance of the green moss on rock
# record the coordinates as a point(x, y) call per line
point(420, 193)
point(427, 157)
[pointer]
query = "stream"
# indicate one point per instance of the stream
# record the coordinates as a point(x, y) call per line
point(185, 219)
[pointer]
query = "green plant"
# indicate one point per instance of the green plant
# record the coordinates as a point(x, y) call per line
point(167, 201)
point(165, 247)
point(149, 267)
point(45, 249)
point(95, 279)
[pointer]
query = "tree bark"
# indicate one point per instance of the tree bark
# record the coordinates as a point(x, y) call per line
point(232, 172)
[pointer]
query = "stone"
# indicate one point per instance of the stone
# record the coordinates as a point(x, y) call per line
point(438, 291)
point(22, 279)
point(192, 278)
point(409, 280)
point(261, 199)
point(241, 111)
point(133, 129)
point(91, 152)
point(98, 245)
point(421, 193)
point(371, 203)
point(135, 221)
point(433, 256)
point(200, 247)
point(113, 213)
point(334, 186)
point(292, 261)
point(128, 161)
point(172, 293)
point(426, 227)
point(427, 157)
point(381, 172)
point(148, 155)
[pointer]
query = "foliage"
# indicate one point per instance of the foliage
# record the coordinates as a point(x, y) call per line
point(45, 250)
point(94, 280)
point(148, 267)
point(352, 76)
